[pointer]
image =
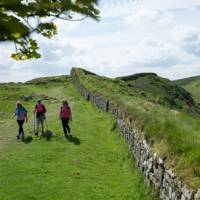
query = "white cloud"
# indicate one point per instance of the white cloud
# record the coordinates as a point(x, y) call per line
point(132, 36)
point(189, 39)
point(142, 15)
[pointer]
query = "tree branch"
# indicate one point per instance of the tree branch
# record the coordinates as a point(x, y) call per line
point(67, 19)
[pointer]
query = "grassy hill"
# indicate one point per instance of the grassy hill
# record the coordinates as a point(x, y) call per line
point(192, 85)
point(95, 164)
point(163, 91)
point(170, 129)
point(47, 80)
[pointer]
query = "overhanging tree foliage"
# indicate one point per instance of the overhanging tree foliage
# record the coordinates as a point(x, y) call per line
point(20, 18)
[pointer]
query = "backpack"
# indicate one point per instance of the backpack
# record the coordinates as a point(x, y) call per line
point(40, 108)
point(65, 112)
point(21, 113)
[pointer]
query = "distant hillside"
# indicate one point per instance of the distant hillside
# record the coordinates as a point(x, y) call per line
point(192, 85)
point(48, 79)
point(162, 91)
point(186, 81)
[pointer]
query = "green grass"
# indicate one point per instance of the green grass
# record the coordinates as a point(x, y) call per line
point(173, 133)
point(94, 165)
point(192, 85)
point(147, 86)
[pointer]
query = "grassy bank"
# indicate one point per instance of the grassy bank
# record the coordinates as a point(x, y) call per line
point(95, 164)
point(173, 132)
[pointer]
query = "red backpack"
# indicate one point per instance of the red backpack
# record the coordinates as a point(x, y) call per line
point(65, 112)
point(40, 108)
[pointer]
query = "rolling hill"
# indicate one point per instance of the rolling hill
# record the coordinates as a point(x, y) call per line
point(192, 85)
point(162, 91)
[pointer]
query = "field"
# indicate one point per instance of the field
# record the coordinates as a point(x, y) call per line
point(94, 164)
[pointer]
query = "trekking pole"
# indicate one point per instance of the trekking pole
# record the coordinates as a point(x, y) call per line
point(34, 122)
point(46, 124)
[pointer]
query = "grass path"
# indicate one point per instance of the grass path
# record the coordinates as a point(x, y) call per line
point(94, 165)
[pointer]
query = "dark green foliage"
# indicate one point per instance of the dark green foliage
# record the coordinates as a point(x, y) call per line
point(47, 29)
point(27, 50)
point(17, 17)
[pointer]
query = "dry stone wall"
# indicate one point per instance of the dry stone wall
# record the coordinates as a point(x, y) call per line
point(168, 185)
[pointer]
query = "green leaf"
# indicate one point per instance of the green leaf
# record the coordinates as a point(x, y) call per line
point(27, 49)
point(47, 29)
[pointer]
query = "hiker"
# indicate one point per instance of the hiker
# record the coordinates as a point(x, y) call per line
point(21, 114)
point(65, 117)
point(40, 111)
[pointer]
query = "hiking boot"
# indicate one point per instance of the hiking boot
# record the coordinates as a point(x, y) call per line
point(70, 136)
point(17, 137)
point(42, 134)
point(36, 133)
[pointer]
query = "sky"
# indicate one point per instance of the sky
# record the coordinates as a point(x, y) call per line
point(132, 36)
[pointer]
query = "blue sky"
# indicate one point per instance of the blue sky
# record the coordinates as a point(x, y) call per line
point(131, 37)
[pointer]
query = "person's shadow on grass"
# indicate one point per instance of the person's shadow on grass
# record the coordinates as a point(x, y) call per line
point(48, 135)
point(73, 139)
point(27, 140)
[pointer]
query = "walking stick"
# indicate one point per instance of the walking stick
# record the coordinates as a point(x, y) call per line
point(34, 122)
point(45, 121)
